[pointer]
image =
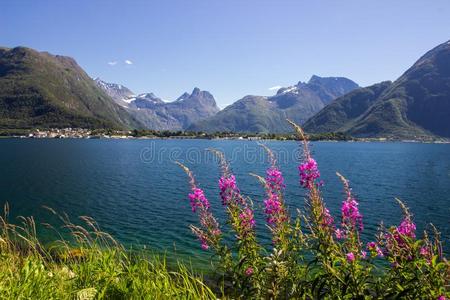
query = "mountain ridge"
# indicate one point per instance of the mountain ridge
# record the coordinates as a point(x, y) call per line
point(157, 114)
point(267, 114)
point(39, 89)
point(415, 106)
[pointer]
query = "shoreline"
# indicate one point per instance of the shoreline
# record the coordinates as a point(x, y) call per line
point(354, 140)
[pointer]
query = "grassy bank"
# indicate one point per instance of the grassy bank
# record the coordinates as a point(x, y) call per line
point(92, 265)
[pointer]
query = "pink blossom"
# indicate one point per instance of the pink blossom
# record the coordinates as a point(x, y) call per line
point(363, 254)
point(350, 213)
point(441, 297)
point(373, 247)
point(398, 236)
point(274, 179)
point(379, 252)
point(308, 173)
point(205, 246)
point(202, 237)
point(339, 234)
point(197, 199)
point(424, 251)
point(407, 228)
point(272, 208)
point(247, 219)
point(327, 219)
point(249, 271)
point(228, 189)
point(350, 257)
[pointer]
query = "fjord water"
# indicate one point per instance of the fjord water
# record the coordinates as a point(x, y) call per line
point(136, 192)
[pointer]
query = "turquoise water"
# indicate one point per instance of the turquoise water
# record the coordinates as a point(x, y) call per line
point(135, 192)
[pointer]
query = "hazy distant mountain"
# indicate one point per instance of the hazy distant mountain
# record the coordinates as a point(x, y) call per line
point(38, 89)
point(156, 114)
point(268, 114)
point(416, 105)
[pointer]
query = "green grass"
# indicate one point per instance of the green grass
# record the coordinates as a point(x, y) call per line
point(92, 265)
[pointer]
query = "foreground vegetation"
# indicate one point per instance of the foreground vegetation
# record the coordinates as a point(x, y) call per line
point(313, 256)
point(92, 265)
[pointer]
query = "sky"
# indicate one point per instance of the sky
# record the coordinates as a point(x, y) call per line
point(231, 48)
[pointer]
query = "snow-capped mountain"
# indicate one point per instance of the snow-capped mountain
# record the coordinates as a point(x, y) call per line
point(157, 114)
point(116, 91)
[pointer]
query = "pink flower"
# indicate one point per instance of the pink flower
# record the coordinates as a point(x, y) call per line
point(274, 179)
point(247, 220)
point(424, 251)
point(407, 228)
point(398, 235)
point(272, 208)
point(249, 271)
point(441, 297)
point(327, 219)
point(371, 245)
point(339, 234)
point(228, 189)
point(350, 213)
point(197, 199)
point(373, 248)
point(350, 257)
point(379, 252)
point(308, 173)
point(363, 254)
point(205, 246)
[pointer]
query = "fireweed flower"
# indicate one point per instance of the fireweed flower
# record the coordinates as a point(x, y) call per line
point(274, 179)
point(273, 206)
point(350, 213)
point(351, 217)
point(407, 228)
point(197, 199)
point(424, 252)
point(228, 189)
point(327, 218)
point(399, 235)
point(210, 232)
point(309, 172)
point(363, 254)
point(247, 220)
point(350, 257)
point(374, 249)
point(339, 234)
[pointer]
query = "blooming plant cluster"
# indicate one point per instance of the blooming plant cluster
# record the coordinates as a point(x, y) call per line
point(312, 255)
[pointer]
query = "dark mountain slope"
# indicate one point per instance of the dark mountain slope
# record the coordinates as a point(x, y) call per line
point(339, 115)
point(38, 89)
point(416, 105)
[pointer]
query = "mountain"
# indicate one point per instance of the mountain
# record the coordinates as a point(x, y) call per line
point(416, 105)
point(342, 112)
point(38, 89)
point(116, 91)
point(268, 114)
point(156, 114)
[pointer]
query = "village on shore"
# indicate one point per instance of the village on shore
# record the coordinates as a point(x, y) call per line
point(82, 133)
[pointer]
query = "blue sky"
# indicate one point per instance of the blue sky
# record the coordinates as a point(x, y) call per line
point(231, 48)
